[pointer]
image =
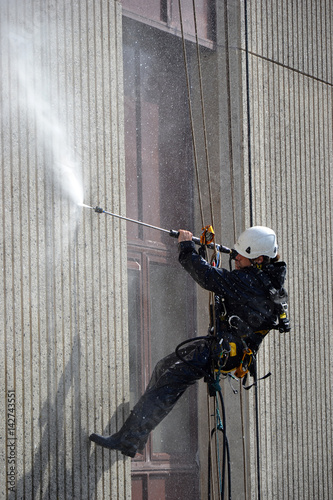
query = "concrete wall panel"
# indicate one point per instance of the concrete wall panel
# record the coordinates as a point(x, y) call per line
point(63, 305)
point(290, 101)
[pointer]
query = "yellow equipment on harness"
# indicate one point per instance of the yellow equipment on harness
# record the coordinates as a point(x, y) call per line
point(207, 235)
point(242, 369)
point(244, 366)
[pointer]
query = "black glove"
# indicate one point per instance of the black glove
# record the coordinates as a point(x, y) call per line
point(284, 325)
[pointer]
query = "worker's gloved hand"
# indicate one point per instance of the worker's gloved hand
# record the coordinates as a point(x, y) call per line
point(284, 325)
point(184, 235)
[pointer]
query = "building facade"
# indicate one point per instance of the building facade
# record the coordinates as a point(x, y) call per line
point(112, 103)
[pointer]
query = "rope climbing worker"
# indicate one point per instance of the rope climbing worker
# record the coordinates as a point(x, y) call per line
point(249, 301)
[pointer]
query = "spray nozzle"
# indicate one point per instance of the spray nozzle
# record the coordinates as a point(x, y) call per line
point(99, 210)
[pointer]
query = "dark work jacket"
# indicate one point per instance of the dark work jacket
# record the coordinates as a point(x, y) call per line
point(252, 297)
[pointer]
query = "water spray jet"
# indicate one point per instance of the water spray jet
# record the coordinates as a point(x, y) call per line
point(86, 206)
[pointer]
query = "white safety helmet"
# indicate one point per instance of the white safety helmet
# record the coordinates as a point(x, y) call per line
point(256, 241)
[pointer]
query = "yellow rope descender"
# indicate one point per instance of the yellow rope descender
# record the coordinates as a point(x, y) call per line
point(207, 235)
point(208, 238)
point(244, 366)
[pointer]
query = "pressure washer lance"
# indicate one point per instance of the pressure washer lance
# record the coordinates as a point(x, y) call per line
point(171, 232)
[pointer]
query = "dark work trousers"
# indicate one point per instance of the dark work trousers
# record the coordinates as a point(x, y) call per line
point(170, 379)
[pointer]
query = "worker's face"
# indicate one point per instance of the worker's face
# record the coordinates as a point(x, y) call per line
point(241, 262)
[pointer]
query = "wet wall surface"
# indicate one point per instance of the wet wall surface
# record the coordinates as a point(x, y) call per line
point(63, 306)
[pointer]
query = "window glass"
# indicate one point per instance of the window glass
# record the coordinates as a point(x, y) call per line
point(168, 297)
point(134, 326)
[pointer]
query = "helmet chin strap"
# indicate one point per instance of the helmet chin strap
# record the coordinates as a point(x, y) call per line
point(258, 265)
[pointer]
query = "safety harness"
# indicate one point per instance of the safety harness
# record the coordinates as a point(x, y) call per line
point(224, 325)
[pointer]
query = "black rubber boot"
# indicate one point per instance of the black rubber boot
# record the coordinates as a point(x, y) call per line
point(132, 437)
point(115, 442)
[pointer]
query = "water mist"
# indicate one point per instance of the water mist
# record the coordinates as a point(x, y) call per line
point(38, 98)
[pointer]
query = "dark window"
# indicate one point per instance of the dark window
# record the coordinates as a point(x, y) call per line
point(159, 185)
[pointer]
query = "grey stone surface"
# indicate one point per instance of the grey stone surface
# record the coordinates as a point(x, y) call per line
point(63, 305)
point(63, 285)
point(290, 83)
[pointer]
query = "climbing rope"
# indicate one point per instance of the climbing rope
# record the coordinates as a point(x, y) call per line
point(243, 444)
point(195, 156)
point(257, 425)
point(202, 113)
point(247, 72)
point(207, 235)
point(214, 258)
point(214, 388)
